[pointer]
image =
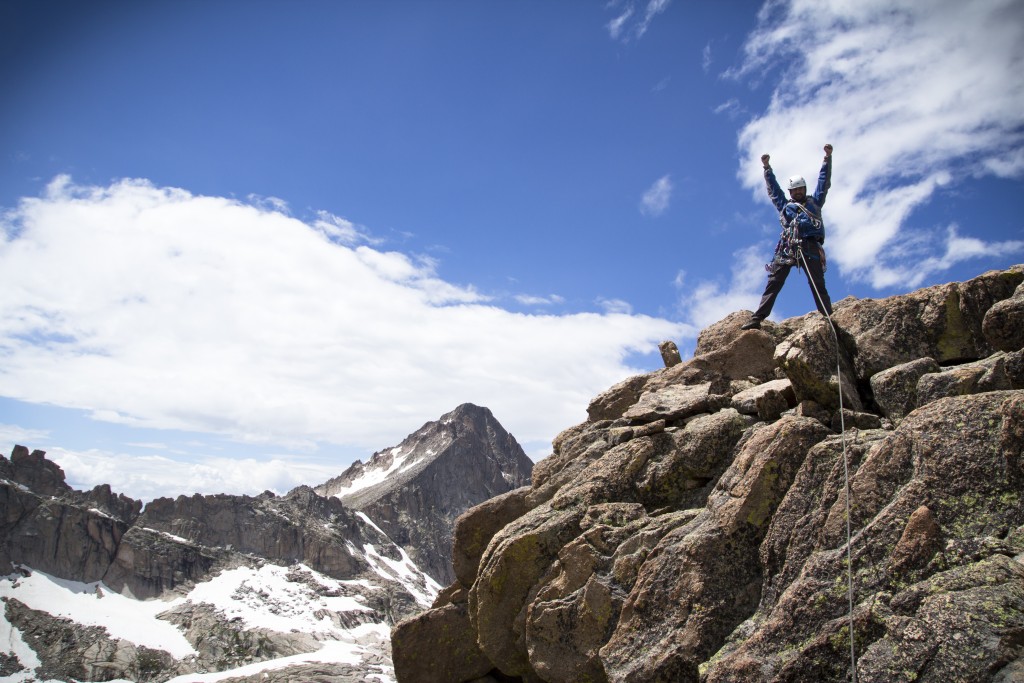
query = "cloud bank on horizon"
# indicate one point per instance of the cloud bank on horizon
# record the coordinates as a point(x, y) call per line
point(210, 315)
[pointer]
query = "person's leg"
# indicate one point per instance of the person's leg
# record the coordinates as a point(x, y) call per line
point(776, 278)
point(816, 280)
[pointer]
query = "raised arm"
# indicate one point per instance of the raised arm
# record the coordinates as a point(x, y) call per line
point(824, 177)
point(775, 192)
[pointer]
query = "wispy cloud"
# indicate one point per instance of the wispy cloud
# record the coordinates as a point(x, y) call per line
point(13, 434)
point(909, 101)
point(154, 307)
point(616, 27)
point(616, 306)
point(705, 59)
point(731, 108)
point(919, 248)
point(338, 229)
point(271, 203)
point(630, 24)
point(656, 199)
point(528, 300)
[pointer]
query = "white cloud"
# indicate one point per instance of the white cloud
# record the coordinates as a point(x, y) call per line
point(10, 435)
point(920, 249)
point(910, 94)
point(147, 477)
point(270, 203)
point(616, 25)
point(705, 58)
point(527, 300)
point(616, 306)
point(628, 24)
point(337, 229)
point(656, 199)
point(730, 108)
point(653, 9)
point(156, 308)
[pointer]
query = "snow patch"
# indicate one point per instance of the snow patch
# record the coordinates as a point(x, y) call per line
point(262, 598)
point(11, 642)
point(362, 516)
point(93, 604)
point(404, 571)
point(265, 598)
point(368, 639)
point(375, 476)
point(408, 467)
point(177, 539)
point(423, 588)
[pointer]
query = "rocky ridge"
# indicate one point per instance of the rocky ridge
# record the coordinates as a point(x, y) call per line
point(309, 547)
point(416, 490)
point(694, 527)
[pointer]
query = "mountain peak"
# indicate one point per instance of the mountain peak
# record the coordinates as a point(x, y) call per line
point(417, 489)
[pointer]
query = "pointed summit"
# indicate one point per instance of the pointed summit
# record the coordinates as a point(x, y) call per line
point(416, 490)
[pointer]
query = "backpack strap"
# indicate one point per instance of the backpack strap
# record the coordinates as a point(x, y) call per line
point(807, 212)
point(815, 220)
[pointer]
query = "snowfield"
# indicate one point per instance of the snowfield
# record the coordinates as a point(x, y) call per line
point(263, 597)
point(368, 638)
point(93, 604)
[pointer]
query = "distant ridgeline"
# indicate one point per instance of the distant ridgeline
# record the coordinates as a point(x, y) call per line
point(99, 588)
point(694, 528)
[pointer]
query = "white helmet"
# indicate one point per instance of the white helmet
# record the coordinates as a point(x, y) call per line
point(797, 181)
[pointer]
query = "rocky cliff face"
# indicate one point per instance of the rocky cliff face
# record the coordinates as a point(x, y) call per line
point(415, 491)
point(694, 528)
point(232, 579)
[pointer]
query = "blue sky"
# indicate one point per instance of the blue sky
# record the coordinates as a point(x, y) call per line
point(245, 243)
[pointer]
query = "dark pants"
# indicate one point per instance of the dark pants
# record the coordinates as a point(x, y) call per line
point(815, 278)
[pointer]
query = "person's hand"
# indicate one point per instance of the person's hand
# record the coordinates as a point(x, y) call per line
point(764, 160)
point(828, 151)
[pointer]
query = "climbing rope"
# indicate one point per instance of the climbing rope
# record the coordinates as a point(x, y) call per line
point(846, 467)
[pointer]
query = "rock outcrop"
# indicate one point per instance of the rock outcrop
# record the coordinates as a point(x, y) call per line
point(47, 525)
point(415, 491)
point(694, 528)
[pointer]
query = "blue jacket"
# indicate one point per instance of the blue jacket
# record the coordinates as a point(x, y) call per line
point(788, 210)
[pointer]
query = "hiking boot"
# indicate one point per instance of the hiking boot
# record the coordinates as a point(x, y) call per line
point(754, 324)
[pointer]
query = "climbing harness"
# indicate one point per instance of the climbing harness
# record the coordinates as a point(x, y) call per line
point(787, 251)
point(787, 248)
point(846, 474)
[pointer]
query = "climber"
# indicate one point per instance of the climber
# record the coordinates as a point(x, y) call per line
point(803, 235)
